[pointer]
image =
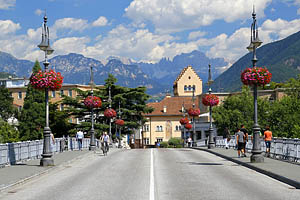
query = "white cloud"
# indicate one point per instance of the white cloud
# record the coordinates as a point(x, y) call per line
point(177, 15)
point(71, 44)
point(71, 23)
point(281, 28)
point(7, 4)
point(196, 34)
point(38, 12)
point(8, 27)
point(101, 21)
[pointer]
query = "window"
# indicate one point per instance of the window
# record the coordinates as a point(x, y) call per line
point(190, 88)
point(194, 88)
point(159, 139)
point(61, 107)
point(61, 93)
point(146, 141)
point(146, 128)
point(159, 128)
point(20, 95)
point(177, 128)
point(70, 93)
point(53, 94)
point(185, 88)
point(19, 108)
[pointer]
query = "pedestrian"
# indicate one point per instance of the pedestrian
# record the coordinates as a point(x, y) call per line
point(189, 140)
point(105, 140)
point(52, 142)
point(268, 139)
point(226, 137)
point(244, 130)
point(240, 139)
point(79, 138)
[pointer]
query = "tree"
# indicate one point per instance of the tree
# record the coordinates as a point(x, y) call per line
point(8, 133)
point(32, 118)
point(6, 103)
point(132, 103)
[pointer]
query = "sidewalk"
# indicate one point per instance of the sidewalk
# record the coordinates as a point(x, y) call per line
point(19, 173)
point(288, 173)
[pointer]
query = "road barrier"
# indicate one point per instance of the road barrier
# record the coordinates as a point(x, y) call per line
point(12, 153)
point(281, 148)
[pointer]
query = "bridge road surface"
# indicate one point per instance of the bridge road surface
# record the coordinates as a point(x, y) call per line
point(151, 174)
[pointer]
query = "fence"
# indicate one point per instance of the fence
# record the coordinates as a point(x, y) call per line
point(281, 148)
point(11, 153)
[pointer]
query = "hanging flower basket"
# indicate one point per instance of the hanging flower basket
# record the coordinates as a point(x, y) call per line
point(256, 76)
point(110, 113)
point(42, 80)
point(188, 126)
point(194, 111)
point(210, 100)
point(184, 121)
point(92, 102)
point(120, 122)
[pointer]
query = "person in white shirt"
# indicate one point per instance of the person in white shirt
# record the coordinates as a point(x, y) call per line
point(79, 138)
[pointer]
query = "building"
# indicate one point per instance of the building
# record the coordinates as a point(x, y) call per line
point(163, 123)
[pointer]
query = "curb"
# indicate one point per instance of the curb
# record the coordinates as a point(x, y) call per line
point(278, 177)
point(50, 168)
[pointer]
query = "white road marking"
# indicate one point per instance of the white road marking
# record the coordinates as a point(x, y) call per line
point(151, 191)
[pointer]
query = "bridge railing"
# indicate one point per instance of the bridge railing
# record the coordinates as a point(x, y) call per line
point(281, 148)
point(12, 153)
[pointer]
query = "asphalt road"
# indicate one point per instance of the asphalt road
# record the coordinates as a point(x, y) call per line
point(151, 174)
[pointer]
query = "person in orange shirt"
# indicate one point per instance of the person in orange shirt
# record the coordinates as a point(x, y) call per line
point(268, 139)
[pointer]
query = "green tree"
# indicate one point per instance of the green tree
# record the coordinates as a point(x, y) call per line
point(6, 103)
point(8, 133)
point(132, 103)
point(32, 118)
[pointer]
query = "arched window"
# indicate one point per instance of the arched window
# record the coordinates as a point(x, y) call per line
point(190, 88)
point(185, 88)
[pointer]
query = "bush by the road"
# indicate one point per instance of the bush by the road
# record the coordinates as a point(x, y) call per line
point(175, 142)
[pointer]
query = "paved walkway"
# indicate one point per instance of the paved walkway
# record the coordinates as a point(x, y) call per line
point(283, 171)
point(15, 174)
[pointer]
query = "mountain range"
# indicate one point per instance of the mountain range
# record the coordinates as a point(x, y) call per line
point(157, 77)
point(282, 58)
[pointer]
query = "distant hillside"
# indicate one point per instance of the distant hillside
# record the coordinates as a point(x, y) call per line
point(282, 58)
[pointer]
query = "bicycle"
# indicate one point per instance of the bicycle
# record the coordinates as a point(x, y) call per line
point(105, 148)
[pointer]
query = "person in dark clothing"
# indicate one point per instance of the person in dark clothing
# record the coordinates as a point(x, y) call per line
point(244, 130)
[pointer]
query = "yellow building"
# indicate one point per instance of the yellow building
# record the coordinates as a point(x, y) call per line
point(163, 123)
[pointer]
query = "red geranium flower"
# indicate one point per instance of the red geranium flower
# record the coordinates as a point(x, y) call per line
point(210, 100)
point(256, 76)
point(110, 113)
point(194, 111)
point(184, 121)
point(51, 80)
point(188, 126)
point(92, 102)
point(120, 122)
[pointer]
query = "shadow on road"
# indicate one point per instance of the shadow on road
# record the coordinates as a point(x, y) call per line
point(205, 164)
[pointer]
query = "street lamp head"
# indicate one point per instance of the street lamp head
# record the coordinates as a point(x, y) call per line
point(250, 47)
point(256, 42)
point(49, 50)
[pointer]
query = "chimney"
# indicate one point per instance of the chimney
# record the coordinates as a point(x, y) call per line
point(165, 109)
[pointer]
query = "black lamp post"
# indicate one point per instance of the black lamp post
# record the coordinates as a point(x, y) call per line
point(256, 156)
point(211, 143)
point(183, 125)
point(47, 159)
point(119, 113)
point(92, 146)
point(109, 101)
point(194, 128)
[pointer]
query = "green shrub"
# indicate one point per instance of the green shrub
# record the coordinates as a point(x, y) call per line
point(164, 145)
point(175, 142)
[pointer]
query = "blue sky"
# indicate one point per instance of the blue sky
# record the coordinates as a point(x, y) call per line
point(143, 30)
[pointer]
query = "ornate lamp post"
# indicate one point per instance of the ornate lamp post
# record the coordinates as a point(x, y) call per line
point(92, 146)
point(109, 101)
point(47, 159)
point(183, 125)
point(194, 128)
point(256, 156)
point(211, 143)
point(119, 113)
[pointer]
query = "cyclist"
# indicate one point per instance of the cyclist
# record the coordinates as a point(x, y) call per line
point(104, 142)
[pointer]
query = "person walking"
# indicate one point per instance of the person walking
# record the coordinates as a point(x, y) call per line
point(52, 142)
point(240, 139)
point(268, 139)
point(226, 137)
point(104, 142)
point(189, 140)
point(79, 138)
point(244, 130)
